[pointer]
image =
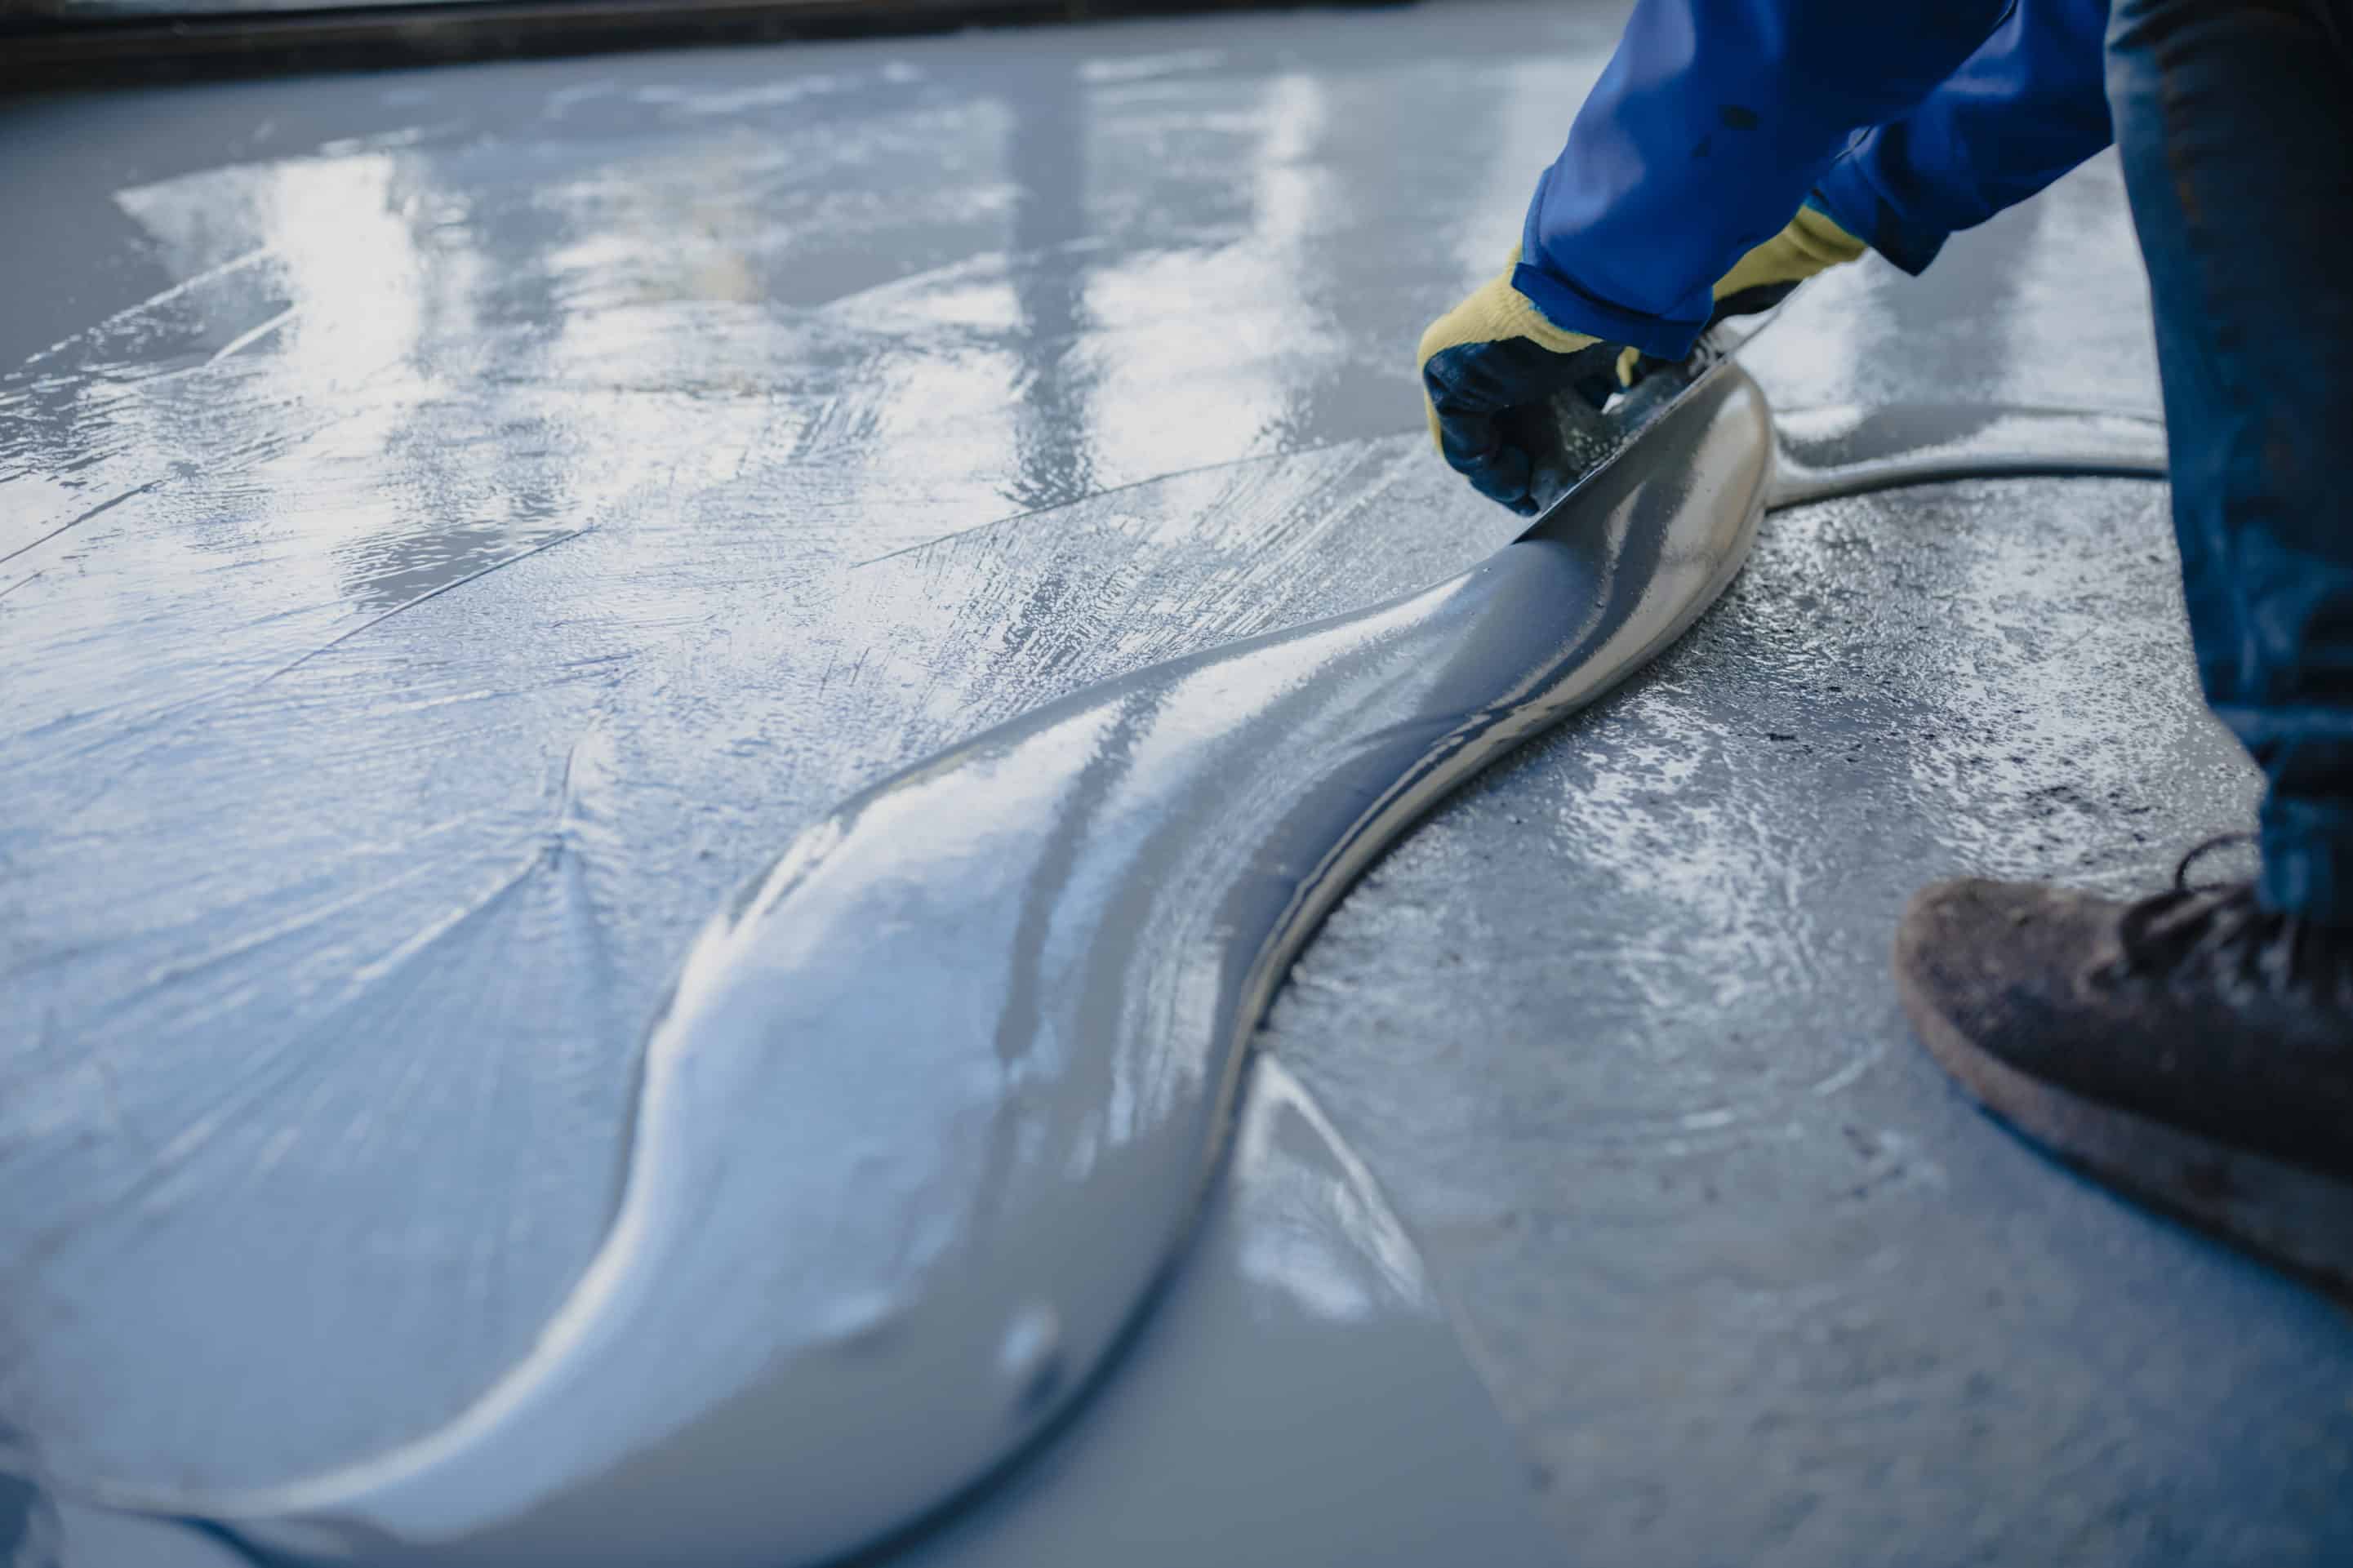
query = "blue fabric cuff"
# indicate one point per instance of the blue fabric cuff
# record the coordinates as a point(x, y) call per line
point(1572, 309)
point(1858, 205)
point(2308, 861)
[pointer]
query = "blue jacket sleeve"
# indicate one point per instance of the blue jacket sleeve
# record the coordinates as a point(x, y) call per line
point(2029, 105)
point(1702, 139)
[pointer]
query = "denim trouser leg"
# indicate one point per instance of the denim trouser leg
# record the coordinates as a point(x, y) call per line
point(2025, 108)
point(2236, 119)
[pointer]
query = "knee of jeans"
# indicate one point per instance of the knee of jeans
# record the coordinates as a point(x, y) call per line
point(2136, 25)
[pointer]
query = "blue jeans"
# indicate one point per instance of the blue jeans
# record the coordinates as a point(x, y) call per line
point(1908, 122)
point(2236, 119)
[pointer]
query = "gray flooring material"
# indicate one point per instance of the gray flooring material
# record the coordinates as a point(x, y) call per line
point(41, 1530)
point(1320, 1412)
point(931, 1111)
point(1755, 1282)
point(1742, 1265)
point(478, 525)
point(457, 525)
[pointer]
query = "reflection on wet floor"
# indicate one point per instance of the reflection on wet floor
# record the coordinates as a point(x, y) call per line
point(471, 518)
point(457, 525)
point(933, 1103)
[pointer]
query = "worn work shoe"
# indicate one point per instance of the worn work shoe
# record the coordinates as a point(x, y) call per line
point(2194, 1050)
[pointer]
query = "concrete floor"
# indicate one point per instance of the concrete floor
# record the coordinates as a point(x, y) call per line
point(458, 525)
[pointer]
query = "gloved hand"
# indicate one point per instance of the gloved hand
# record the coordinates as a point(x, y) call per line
point(1495, 353)
point(1809, 242)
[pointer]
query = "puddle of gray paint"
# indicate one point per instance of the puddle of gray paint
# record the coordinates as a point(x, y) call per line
point(1297, 1395)
point(986, 1019)
point(659, 450)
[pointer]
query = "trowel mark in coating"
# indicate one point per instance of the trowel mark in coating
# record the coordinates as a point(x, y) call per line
point(947, 1083)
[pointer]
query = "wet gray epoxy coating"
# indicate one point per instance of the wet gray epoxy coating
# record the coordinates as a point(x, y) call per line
point(1707, 1213)
point(1324, 1412)
point(935, 1101)
point(1741, 1265)
point(40, 1529)
point(1829, 452)
point(832, 482)
point(561, 724)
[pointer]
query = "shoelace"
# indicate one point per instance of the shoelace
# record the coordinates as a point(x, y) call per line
point(2199, 852)
point(2225, 921)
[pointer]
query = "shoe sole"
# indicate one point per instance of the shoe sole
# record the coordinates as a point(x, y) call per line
point(2285, 1213)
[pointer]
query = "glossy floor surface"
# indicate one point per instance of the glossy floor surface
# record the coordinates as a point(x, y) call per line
point(456, 525)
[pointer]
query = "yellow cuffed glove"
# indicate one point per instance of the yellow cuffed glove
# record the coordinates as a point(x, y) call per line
point(1811, 242)
point(1495, 352)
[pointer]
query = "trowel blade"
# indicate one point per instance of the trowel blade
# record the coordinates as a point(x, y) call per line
point(1581, 440)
